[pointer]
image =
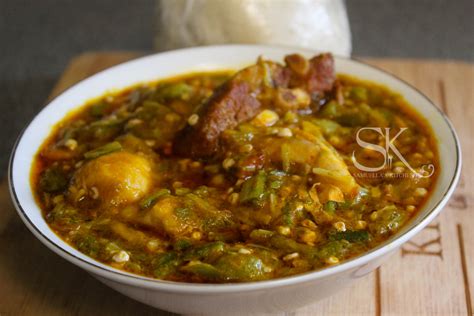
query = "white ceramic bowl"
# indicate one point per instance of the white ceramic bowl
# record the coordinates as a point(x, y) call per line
point(284, 294)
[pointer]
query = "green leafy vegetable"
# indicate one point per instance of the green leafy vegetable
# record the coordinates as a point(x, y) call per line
point(253, 189)
point(350, 235)
point(328, 127)
point(276, 184)
point(166, 264)
point(98, 109)
point(389, 219)
point(64, 217)
point(152, 199)
point(330, 206)
point(206, 252)
point(176, 91)
point(203, 270)
point(290, 245)
point(182, 244)
point(331, 110)
point(104, 150)
point(88, 245)
point(359, 93)
point(111, 248)
point(261, 234)
point(336, 248)
point(53, 180)
point(291, 212)
point(241, 267)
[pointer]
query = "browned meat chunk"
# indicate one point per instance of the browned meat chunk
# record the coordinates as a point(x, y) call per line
point(321, 75)
point(229, 106)
point(316, 75)
point(238, 99)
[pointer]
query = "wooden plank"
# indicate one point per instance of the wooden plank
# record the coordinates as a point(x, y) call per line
point(431, 275)
point(465, 271)
point(459, 99)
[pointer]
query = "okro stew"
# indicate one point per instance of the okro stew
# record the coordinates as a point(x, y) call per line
point(232, 177)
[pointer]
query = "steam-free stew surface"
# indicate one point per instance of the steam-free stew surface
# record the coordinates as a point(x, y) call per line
point(229, 178)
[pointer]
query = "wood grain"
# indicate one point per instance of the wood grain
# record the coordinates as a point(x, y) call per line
point(431, 275)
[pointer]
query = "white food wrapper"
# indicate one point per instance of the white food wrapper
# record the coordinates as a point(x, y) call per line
point(317, 24)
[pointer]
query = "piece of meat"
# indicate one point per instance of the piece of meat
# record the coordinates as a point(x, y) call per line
point(316, 76)
point(231, 104)
point(321, 74)
point(281, 76)
point(234, 102)
point(238, 99)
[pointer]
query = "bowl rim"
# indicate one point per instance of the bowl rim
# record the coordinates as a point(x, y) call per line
point(124, 277)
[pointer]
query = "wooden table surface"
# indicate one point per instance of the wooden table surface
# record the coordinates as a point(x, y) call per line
point(433, 274)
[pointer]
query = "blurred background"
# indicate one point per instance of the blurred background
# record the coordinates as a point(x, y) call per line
point(38, 38)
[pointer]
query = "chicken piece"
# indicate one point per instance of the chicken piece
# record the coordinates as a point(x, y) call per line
point(112, 180)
